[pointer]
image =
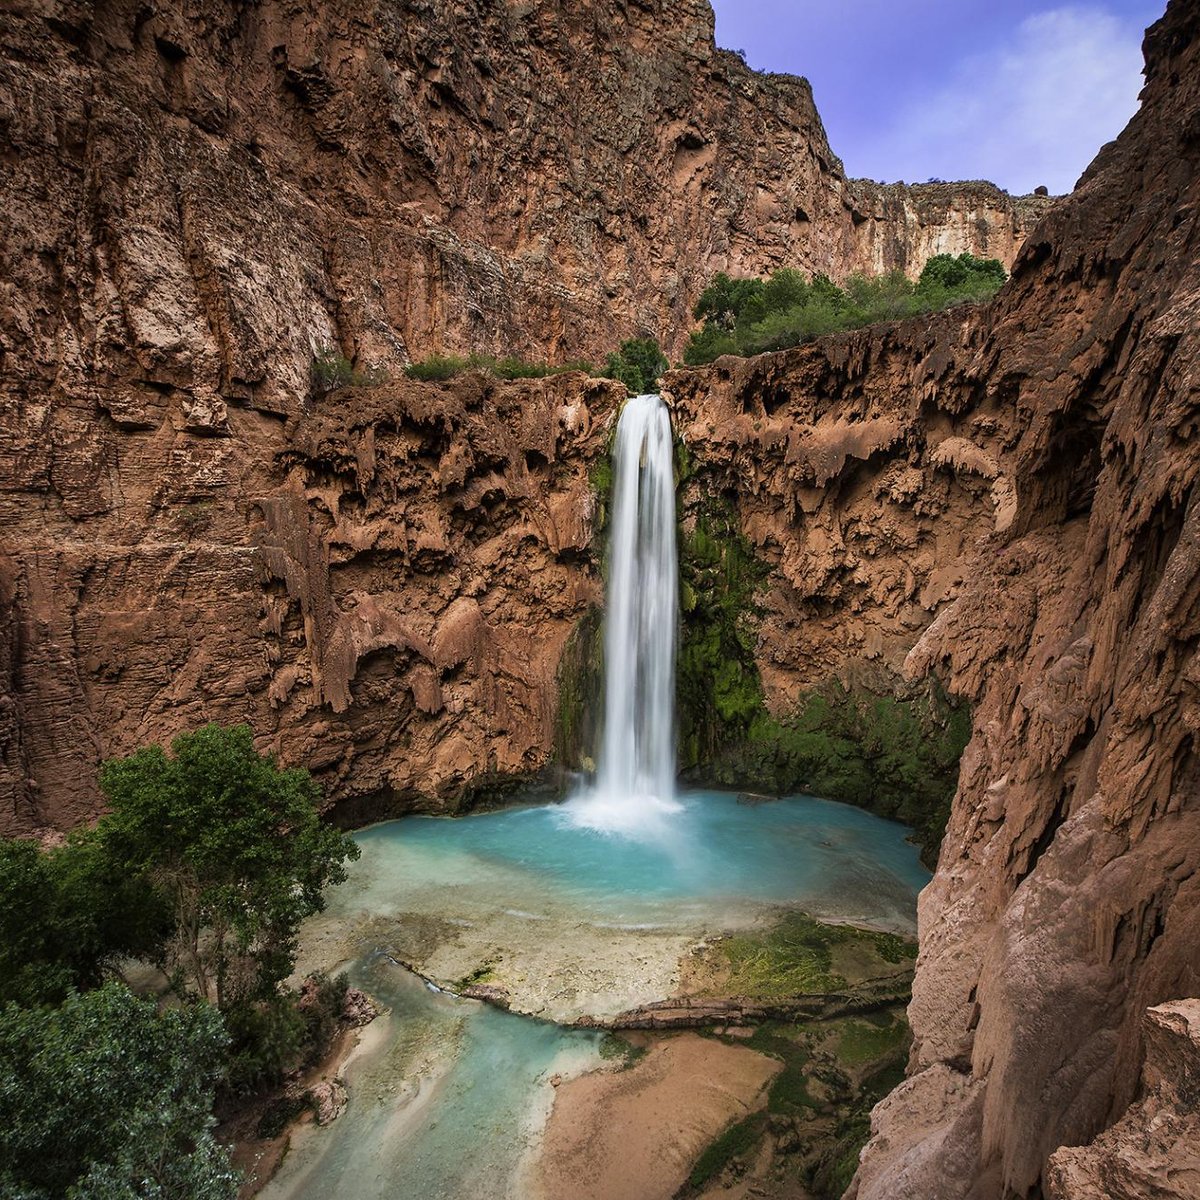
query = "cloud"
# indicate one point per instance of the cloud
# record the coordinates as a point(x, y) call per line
point(1034, 111)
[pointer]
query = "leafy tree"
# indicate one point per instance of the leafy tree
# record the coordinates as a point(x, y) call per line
point(638, 364)
point(727, 301)
point(236, 846)
point(66, 917)
point(107, 1098)
point(963, 275)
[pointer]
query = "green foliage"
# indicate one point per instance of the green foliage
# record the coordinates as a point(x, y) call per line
point(330, 370)
point(738, 1139)
point(751, 316)
point(107, 1098)
point(638, 364)
point(580, 671)
point(865, 1041)
point(273, 1035)
point(896, 757)
point(66, 916)
point(235, 845)
point(793, 959)
point(718, 690)
point(440, 367)
point(266, 1040)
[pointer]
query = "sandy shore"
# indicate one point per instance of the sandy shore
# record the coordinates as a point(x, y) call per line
point(634, 1134)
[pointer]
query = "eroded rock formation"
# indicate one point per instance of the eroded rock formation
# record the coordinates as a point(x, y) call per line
point(1154, 1150)
point(1058, 426)
point(381, 587)
point(863, 494)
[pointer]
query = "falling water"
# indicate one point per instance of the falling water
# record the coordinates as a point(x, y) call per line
point(636, 777)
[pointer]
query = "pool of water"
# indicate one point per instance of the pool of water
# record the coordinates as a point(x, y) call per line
point(447, 1095)
point(446, 1103)
point(711, 857)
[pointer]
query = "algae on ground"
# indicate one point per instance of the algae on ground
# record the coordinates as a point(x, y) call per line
point(818, 1106)
point(802, 957)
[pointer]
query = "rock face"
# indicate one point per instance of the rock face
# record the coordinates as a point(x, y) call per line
point(200, 198)
point(381, 588)
point(864, 496)
point(1153, 1152)
point(1058, 427)
point(200, 195)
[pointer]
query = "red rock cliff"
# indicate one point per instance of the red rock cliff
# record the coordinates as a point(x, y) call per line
point(1010, 500)
point(199, 194)
point(198, 197)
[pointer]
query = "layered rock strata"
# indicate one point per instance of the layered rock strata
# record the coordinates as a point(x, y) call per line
point(381, 587)
point(199, 196)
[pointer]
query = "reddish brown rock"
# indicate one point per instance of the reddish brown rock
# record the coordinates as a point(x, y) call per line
point(200, 196)
point(381, 587)
point(1053, 582)
point(1153, 1152)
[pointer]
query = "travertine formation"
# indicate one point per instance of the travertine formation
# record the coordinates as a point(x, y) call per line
point(381, 587)
point(864, 495)
point(1154, 1150)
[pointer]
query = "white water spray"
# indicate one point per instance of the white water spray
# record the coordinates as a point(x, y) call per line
point(635, 783)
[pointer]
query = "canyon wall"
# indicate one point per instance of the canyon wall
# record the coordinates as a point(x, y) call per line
point(199, 198)
point(382, 588)
point(200, 195)
point(1011, 500)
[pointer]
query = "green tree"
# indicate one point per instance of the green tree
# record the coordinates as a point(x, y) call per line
point(236, 846)
point(963, 275)
point(638, 364)
point(107, 1098)
point(67, 917)
point(727, 301)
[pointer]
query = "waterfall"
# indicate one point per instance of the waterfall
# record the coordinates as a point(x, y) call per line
point(635, 780)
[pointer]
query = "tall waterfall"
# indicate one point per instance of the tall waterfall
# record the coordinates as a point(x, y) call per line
point(636, 775)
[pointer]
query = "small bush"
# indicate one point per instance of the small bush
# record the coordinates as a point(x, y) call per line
point(638, 364)
point(267, 1041)
point(437, 368)
point(331, 370)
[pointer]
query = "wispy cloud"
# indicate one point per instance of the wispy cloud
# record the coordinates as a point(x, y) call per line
point(1034, 110)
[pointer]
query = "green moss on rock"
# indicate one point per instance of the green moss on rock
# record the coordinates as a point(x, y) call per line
point(894, 754)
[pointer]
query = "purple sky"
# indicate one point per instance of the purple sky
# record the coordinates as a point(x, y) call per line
point(1015, 91)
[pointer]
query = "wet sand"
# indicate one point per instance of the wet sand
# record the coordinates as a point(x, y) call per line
point(634, 1134)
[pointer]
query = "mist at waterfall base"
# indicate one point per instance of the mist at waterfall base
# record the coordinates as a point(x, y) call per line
point(634, 789)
